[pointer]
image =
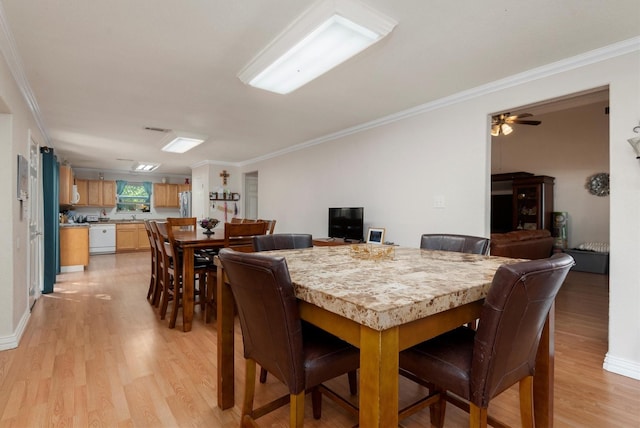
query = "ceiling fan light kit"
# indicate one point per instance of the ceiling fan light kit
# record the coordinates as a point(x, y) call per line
point(501, 123)
point(326, 35)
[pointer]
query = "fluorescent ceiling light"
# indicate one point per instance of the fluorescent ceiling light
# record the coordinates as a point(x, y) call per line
point(326, 35)
point(180, 142)
point(145, 166)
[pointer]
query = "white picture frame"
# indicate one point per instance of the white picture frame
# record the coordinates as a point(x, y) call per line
point(375, 235)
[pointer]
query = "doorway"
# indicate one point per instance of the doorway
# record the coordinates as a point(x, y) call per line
point(251, 194)
point(35, 217)
point(570, 144)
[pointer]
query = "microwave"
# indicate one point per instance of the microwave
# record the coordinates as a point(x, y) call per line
point(92, 218)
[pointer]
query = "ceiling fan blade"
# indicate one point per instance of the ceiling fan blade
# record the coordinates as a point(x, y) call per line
point(518, 116)
point(527, 122)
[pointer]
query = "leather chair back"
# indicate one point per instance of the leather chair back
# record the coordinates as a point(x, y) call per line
point(458, 243)
point(268, 313)
point(282, 241)
point(511, 324)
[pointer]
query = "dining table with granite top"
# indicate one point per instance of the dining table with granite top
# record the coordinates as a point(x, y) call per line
point(384, 303)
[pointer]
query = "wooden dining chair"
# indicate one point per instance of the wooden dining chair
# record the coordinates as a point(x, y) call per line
point(153, 280)
point(166, 280)
point(271, 225)
point(477, 365)
point(249, 220)
point(203, 268)
point(458, 243)
point(299, 354)
point(158, 245)
point(236, 220)
point(239, 236)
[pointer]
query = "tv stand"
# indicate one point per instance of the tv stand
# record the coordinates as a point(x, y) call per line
point(331, 242)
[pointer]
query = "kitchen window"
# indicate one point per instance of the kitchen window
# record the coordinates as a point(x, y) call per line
point(133, 197)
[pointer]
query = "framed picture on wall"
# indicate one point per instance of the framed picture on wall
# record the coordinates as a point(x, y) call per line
point(375, 235)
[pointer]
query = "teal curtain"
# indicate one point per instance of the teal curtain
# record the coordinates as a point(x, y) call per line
point(120, 185)
point(148, 186)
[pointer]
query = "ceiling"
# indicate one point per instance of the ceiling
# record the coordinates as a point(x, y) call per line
point(102, 71)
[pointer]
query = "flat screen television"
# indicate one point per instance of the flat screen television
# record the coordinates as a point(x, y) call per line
point(347, 223)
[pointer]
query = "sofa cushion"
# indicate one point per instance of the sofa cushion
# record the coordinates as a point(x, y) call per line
point(522, 244)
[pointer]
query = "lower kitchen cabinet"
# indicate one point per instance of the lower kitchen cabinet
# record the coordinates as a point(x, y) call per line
point(74, 248)
point(131, 237)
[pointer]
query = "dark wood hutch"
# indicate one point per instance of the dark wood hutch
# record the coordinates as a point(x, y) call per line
point(521, 200)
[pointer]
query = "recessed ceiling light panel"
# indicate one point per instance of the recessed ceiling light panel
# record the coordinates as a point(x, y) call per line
point(180, 142)
point(145, 166)
point(326, 35)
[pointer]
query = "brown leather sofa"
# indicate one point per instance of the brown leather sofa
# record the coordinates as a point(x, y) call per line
point(522, 244)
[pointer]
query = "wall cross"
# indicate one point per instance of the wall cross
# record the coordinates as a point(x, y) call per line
point(224, 174)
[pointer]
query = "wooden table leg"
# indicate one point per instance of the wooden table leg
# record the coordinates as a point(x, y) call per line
point(225, 327)
point(187, 288)
point(543, 379)
point(378, 378)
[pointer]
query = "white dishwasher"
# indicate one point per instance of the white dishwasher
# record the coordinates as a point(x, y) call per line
point(102, 238)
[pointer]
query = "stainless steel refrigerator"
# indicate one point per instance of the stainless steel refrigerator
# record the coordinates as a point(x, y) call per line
point(185, 204)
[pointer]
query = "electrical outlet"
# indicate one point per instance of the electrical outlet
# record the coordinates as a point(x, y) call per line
point(438, 201)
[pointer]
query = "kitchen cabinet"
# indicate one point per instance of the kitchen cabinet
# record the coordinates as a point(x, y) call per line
point(66, 185)
point(81, 186)
point(74, 247)
point(165, 195)
point(96, 193)
point(131, 237)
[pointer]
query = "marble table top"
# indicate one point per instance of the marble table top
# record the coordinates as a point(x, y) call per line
point(387, 292)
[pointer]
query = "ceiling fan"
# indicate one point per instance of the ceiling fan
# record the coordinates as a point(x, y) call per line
point(501, 123)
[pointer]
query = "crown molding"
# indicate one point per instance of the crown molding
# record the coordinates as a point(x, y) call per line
point(11, 56)
point(591, 57)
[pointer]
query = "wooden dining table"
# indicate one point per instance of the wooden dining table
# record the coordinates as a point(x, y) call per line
point(383, 305)
point(190, 241)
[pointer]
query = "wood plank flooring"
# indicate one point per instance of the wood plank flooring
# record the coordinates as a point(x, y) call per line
point(96, 354)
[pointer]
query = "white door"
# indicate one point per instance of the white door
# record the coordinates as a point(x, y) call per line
point(35, 216)
point(251, 195)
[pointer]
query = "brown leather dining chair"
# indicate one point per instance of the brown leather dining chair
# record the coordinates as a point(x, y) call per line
point(290, 241)
point(477, 365)
point(299, 354)
point(285, 241)
point(458, 243)
point(282, 241)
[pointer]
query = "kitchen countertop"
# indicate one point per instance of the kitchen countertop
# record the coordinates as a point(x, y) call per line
point(113, 221)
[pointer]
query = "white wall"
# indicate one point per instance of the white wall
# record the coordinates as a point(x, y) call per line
point(396, 170)
point(569, 145)
point(15, 124)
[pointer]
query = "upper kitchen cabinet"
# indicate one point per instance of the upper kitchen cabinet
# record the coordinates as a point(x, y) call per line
point(96, 193)
point(165, 195)
point(66, 185)
point(83, 192)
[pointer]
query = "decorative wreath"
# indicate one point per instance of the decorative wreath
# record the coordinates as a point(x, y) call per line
point(598, 184)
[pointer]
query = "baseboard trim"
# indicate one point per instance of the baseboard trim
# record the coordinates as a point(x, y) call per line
point(622, 366)
point(12, 342)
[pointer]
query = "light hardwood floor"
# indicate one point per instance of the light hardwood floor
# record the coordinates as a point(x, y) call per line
point(96, 354)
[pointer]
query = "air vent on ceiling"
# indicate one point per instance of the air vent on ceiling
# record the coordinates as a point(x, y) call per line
point(153, 128)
